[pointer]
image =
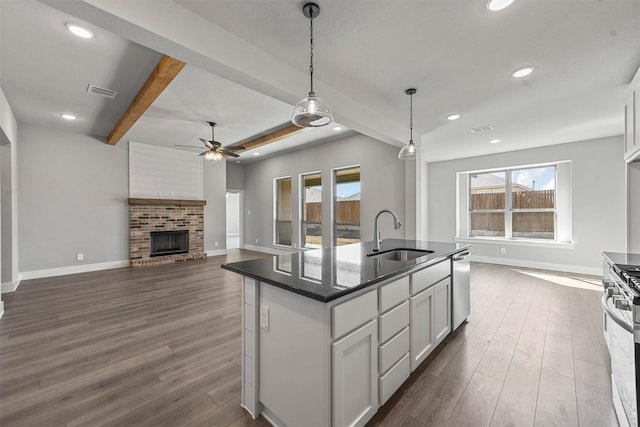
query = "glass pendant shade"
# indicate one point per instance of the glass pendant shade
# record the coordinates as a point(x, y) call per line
point(311, 112)
point(409, 151)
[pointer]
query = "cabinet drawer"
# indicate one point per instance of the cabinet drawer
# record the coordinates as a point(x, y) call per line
point(394, 293)
point(394, 321)
point(429, 276)
point(353, 313)
point(393, 379)
point(394, 349)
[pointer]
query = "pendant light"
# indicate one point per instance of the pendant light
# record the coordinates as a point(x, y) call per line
point(311, 111)
point(411, 150)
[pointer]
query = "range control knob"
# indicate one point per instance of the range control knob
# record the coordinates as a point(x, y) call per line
point(622, 304)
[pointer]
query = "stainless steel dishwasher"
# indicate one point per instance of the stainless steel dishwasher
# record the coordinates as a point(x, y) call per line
point(461, 288)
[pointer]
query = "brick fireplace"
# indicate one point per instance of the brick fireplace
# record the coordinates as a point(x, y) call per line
point(153, 215)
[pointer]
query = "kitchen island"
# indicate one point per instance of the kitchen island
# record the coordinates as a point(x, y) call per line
point(330, 334)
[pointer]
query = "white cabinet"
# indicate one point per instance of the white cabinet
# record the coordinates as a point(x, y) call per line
point(632, 121)
point(442, 310)
point(422, 331)
point(355, 376)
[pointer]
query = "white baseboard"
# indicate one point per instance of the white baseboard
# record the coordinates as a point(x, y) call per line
point(217, 252)
point(1, 308)
point(266, 250)
point(10, 286)
point(539, 265)
point(60, 271)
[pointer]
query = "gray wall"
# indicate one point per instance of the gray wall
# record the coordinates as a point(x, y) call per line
point(382, 178)
point(73, 198)
point(215, 211)
point(598, 202)
point(235, 176)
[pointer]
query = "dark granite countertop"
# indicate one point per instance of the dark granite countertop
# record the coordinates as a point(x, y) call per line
point(330, 273)
point(622, 259)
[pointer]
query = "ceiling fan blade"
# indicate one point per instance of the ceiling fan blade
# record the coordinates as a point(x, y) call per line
point(206, 142)
point(234, 147)
point(229, 153)
point(204, 152)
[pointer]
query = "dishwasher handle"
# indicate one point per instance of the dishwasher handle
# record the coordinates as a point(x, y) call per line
point(461, 256)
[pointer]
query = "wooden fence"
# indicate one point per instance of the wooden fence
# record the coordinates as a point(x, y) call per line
point(527, 224)
point(539, 199)
point(348, 211)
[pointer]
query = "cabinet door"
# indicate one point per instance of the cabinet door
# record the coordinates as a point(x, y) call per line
point(442, 310)
point(422, 331)
point(355, 376)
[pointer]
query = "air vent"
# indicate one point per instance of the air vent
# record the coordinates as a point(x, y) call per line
point(482, 129)
point(107, 93)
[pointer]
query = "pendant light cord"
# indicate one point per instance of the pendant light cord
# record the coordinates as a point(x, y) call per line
point(311, 54)
point(411, 120)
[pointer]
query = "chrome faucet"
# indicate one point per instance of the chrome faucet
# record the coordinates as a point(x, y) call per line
point(377, 238)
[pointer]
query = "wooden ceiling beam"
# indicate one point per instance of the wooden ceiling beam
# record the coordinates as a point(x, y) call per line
point(157, 81)
point(268, 138)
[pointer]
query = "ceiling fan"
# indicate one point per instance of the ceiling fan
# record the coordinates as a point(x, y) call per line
point(215, 151)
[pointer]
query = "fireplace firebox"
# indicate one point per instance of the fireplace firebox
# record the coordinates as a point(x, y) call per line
point(169, 242)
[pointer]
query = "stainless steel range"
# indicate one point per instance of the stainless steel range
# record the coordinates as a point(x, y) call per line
point(621, 326)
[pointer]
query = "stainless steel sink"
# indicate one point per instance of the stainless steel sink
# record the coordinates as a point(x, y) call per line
point(401, 254)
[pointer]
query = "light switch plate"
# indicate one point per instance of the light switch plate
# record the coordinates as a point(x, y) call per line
point(264, 317)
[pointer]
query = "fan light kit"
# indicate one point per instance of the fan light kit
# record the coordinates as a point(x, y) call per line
point(79, 31)
point(311, 111)
point(215, 151)
point(411, 150)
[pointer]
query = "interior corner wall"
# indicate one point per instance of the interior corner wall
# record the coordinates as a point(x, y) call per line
point(9, 273)
point(598, 203)
point(73, 192)
point(382, 178)
point(215, 211)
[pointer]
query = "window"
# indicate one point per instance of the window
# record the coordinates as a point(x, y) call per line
point(347, 206)
point(282, 214)
point(311, 210)
point(525, 202)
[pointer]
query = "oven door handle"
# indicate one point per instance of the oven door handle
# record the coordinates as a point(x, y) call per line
point(621, 322)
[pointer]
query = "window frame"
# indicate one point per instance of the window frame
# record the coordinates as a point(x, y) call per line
point(275, 210)
point(301, 216)
point(562, 207)
point(334, 196)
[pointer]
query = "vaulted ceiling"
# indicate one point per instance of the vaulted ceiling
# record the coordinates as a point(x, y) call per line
point(247, 65)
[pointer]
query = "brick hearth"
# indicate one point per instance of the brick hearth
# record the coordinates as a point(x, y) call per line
point(147, 215)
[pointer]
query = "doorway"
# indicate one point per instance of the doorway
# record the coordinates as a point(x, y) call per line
point(234, 219)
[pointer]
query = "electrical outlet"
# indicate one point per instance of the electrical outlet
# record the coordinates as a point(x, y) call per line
point(249, 212)
point(79, 256)
point(216, 244)
point(256, 240)
point(264, 317)
point(503, 251)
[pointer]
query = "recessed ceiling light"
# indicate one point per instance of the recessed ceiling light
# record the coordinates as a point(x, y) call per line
point(337, 128)
point(256, 154)
point(494, 141)
point(496, 5)
point(237, 161)
point(79, 31)
point(453, 116)
point(67, 116)
point(523, 72)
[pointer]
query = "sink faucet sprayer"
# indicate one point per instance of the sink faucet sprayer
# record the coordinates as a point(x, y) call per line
point(377, 239)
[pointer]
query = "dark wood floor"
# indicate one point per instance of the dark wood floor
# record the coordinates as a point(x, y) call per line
point(161, 346)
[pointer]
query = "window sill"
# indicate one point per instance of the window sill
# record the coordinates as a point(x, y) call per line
point(515, 242)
